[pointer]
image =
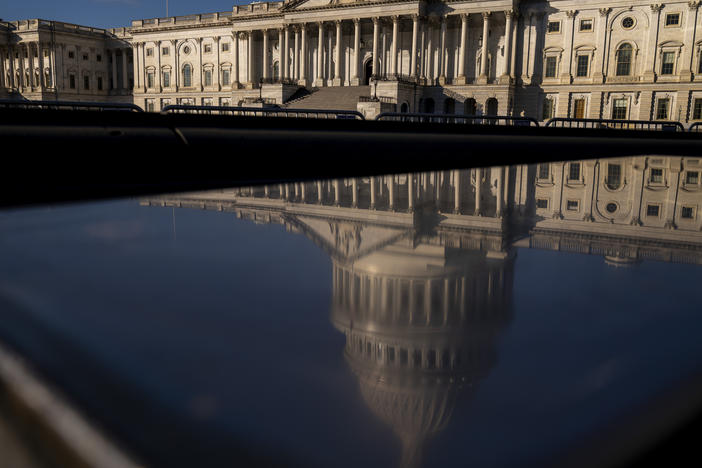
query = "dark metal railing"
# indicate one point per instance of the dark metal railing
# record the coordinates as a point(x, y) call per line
point(395, 77)
point(460, 119)
point(660, 125)
point(71, 105)
point(264, 112)
point(287, 81)
point(695, 127)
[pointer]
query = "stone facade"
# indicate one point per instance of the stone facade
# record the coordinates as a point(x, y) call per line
point(628, 59)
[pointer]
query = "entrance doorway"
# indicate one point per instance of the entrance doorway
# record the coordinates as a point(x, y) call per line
point(491, 106)
point(367, 71)
point(579, 108)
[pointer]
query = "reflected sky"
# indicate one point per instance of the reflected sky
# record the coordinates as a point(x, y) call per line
point(490, 317)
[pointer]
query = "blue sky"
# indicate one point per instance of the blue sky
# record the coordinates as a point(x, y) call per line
point(108, 13)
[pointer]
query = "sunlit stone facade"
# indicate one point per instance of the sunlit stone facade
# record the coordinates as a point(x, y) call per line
point(590, 58)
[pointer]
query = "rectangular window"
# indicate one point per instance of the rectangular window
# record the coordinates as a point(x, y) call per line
point(225, 77)
point(697, 110)
point(583, 63)
point(572, 205)
point(71, 54)
point(551, 64)
point(652, 210)
point(208, 48)
point(72, 81)
point(554, 27)
point(672, 19)
point(46, 52)
point(548, 109)
point(150, 105)
point(579, 108)
point(226, 102)
point(687, 212)
point(662, 109)
point(574, 171)
point(692, 178)
point(614, 176)
point(543, 171)
point(98, 57)
point(166, 79)
point(85, 57)
point(150, 80)
point(542, 203)
point(668, 63)
point(99, 83)
point(619, 107)
point(86, 82)
point(586, 25)
point(656, 176)
point(206, 101)
point(225, 47)
point(150, 53)
point(165, 51)
point(165, 102)
point(208, 77)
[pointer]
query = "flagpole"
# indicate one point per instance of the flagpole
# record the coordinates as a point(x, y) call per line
point(166, 8)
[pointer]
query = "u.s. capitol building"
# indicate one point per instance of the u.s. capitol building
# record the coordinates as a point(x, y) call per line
point(616, 59)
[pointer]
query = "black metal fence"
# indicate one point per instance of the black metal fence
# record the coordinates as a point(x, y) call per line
point(656, 125)
point(70, 105)
point(696, 127)
point(265, 112)
point(459, 119)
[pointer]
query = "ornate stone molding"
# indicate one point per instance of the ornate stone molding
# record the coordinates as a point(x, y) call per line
point(656, 7)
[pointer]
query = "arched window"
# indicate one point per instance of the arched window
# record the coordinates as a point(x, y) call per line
point(404, 108)
point(187, 75)
point(470, 107)
point(624, 55)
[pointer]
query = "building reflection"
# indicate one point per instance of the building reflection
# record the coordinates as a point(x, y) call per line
point(423, 263)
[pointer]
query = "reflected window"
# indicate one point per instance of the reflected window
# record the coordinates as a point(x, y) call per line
point(652, 210)
point(611, 207)
point(692, 177)
point(687, 212)
point(574, 171)
point(544, 171)
point(656, 176)
point(614, 176)
point(542, 203)
point(572, 205)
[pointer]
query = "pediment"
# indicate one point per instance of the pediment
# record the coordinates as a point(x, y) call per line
point(347, 240)
point(293, 5)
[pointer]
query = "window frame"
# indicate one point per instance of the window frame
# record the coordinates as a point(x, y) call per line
point(609, 184)
point(668, 104)
point(693, 211)
point(630, 63)
point(165, 51)
point(548, 26)
point(697, 108)
point(614, 107)
point(657, 206)
point(577, 65)
point(670, 15)
point(592, 25)
point(668, 53)
point(555, 60)
point(651, 180)
point(569, 175)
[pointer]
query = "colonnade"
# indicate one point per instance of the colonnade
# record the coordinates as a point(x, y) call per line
point(457, 191)
point(120, 64)
point(297, 62)
point(25, 67)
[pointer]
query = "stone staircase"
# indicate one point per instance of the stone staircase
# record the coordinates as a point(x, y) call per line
point(330, 98)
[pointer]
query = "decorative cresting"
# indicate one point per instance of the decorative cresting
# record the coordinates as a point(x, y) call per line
point(421, 324)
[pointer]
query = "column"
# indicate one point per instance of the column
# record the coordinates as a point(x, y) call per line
point(356, 51)
point(513, 55)
point(478, 184)
point(689, 42)
point(265, 67)
point(413, 56)
point(384, 50)
point(157, 51)
point(505, 78)
point(391, 189)
point(113, 52)
point(652, 44)
point(330, 49)
point(442, 52)
point(2, 69)
point(303, 56)
point(376, 32)
point(320, 55)
point(217, 70)
point(319, 192)
point(599, 58)
point(281, 59)
point(249, 60)
point(354, 192)
point(40, 56)
point(235, 65)
point(142, 64)
point(461, 79)
point(457, 192)
point(567, 69)
point(337, 195)
point(422, 52)
point(372, 193)
point(52, 65)
point(483, 78)
point(135, 65)
point(410, 192)
point(285, 53)
point(125, 80)
point(296, 55)
point(337, 56)
point(393, 46)
point(30, 56)
point(430, 54)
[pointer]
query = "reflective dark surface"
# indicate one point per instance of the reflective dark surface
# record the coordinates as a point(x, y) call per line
point(490, 317)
